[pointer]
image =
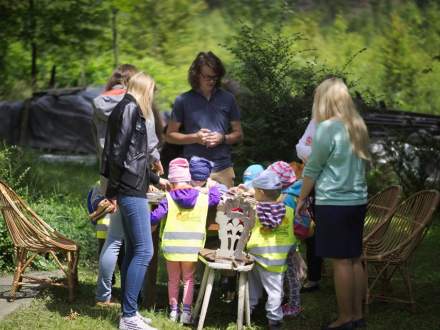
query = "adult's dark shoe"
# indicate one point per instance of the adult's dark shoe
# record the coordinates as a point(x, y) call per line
point(361, 323)
point(344, 326)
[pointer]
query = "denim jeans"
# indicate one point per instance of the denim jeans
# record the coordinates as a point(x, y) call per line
point(139, 249)
point(109, 256)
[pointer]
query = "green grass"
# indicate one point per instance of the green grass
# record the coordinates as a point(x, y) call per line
point(60, 199)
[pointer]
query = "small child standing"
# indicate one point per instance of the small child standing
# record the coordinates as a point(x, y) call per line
point(288, 196)
point(271, 240)
point(185, 209)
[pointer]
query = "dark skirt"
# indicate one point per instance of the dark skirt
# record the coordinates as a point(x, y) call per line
point(339, 231)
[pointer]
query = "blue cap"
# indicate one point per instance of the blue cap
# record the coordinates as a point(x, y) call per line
point(252, 172)
point(267, 180)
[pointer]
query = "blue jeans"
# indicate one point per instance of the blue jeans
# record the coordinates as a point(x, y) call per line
point(109, 256)
point(138, 249)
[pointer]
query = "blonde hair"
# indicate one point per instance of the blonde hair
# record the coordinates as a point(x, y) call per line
point(141, 87)
point(332, 99)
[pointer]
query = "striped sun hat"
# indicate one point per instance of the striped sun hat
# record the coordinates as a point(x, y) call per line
point(285, 173)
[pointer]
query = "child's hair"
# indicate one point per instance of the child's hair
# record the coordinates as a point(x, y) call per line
point(332, 99)
point(272, 194)
point(142, 86)
point(121, 76)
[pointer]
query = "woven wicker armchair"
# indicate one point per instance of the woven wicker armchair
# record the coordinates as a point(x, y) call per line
point(32, 236)
point(392, 249)
point(380, 208)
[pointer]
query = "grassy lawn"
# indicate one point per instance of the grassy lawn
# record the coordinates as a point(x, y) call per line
point(61, 201)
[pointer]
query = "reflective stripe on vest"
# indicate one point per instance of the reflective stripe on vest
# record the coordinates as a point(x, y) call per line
point(184, 231)
point(270, 248)
point(270, 262)
point(102, 227)
point(180, 249)
point(184, 235)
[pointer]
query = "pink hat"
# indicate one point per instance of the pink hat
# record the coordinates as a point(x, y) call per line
point(178, 171)
point(284, 172)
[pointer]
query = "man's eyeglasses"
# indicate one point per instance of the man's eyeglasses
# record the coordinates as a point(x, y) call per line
point(208, 77)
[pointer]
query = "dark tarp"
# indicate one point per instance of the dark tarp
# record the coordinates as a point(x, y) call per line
point(10, 121)
point(62, 122)
point(55, 120)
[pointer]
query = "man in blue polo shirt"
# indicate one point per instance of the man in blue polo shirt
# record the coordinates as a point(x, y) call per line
point(206, 119)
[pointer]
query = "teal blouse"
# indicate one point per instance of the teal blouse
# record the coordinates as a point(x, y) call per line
point(339, 174)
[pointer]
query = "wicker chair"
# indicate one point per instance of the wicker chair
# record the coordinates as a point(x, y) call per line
point(32, 236)
point(380, 208)
point(392, 250)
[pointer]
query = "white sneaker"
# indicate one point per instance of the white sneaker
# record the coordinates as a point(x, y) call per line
point(133, 323)
point(174, 315)
point(146, 320)
point(185, 318)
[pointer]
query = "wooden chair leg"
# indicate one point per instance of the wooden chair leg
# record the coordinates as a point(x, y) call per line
point(70, 276)
point(75, 267)
point(17, 275)
point(206, 299)
point(247, 306)
point(241, 298)
point(201, 292)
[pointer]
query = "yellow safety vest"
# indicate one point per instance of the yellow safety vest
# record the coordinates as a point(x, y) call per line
point(270, 248)
point(102, 227)
point(184, 232)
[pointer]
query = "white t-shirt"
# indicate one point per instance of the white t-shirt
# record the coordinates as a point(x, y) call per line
point(304, 146)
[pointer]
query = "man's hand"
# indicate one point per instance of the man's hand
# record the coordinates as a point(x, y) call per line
point(164, 184)
point(202, 136)
point(214, 139)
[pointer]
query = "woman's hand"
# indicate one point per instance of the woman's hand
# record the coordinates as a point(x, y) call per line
point(114, 203)
point(300, 205)
point(157, 167)
point(164, 184)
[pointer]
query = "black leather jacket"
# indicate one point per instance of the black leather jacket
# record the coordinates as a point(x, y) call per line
point(125, 157)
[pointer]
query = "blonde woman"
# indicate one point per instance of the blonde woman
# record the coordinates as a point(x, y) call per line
point(125, 164)
point(336, 169)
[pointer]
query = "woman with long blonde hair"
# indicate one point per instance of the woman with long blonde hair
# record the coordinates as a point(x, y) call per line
point(336, 170)
point(125, 163)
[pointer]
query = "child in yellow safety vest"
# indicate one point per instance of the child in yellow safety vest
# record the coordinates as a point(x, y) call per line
point(290, 191)
point(271, 240)
point(185, 209)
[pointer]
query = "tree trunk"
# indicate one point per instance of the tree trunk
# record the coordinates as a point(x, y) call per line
point(33, 46)
point(53, 73)
point(115, 37)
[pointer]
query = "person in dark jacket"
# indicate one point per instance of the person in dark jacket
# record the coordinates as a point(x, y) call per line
point(125, 164)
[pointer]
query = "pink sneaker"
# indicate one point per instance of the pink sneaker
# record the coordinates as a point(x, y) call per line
point(290, 311)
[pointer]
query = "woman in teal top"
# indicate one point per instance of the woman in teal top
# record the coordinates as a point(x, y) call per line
point(336, 170)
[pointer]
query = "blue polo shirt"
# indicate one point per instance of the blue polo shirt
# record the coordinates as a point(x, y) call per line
point(194, 112)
